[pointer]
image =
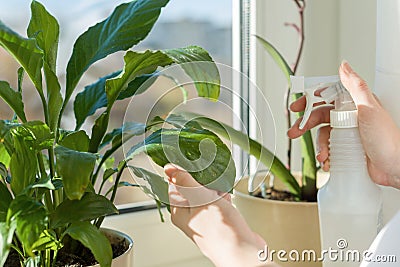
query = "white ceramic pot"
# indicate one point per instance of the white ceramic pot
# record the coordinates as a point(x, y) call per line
point(285, 226)
point(126, 259)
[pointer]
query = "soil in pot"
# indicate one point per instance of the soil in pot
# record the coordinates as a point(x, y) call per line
point(274, 194)
point(65, 258)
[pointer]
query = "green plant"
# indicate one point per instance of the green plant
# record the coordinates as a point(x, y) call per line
point(48, 199)
point(307, 190)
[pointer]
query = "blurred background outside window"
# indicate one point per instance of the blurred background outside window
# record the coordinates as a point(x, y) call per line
point(206, 23)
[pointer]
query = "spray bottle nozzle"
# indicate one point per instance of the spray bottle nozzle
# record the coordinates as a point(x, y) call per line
point(334, 92)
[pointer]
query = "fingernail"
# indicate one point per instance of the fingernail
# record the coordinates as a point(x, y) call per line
point(171, 173)
point(169, 165)
point(290, 106)
point(345, 66)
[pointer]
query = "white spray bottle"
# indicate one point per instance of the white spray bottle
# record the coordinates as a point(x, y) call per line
point(349, 204)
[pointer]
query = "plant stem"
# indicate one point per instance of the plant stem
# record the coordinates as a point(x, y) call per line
point(56, 197)
point(47, 197)
point(102, 185)
point(17, 250)
point(54, 258)
point(114, 193)
point(301, 6)
point(48, 257)
point(94, 176)
point(51, 162)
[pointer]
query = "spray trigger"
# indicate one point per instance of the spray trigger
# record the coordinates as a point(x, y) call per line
point(309, 86)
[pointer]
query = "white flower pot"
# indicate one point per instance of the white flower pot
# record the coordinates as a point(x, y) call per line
point(126, 259)
point(284, 225)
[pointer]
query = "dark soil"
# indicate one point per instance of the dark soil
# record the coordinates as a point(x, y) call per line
point(66, 259)
point(274, 194)
point(12, 259)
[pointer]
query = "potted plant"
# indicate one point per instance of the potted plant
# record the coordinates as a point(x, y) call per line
point(285, 213)
point(50, 206)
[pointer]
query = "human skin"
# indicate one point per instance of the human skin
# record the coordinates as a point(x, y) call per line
point(379, 134)
point(208, 218)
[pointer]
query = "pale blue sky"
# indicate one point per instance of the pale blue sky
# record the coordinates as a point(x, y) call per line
point(217, 11)
point(75, 16)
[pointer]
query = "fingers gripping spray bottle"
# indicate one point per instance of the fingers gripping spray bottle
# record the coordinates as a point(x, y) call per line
point(349, 204)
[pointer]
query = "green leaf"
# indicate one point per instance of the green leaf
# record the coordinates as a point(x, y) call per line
point(109, 172)
point(93, 239)
point(181, 122)
point(159, 187)
point(47, 241)
point(13, 99)
point(199, 66)
point(31, 219)
point(94, 96)
point(21, 75)
point(125, 27)
point(136, 64)
point(99, 129)
point(90, 207)
point(138, 85)
point(36, 134)
point(22, 156)
point(121, 135)
point(6, 238)
point(78, 141)
point(55, 99)
point(6, 136)
point(4, 156)
point(3, 170)
point(75, 169)
point(250, 146)
point(26, 52)
point(5, 200)
point(200, 152)
point(44, 27)
point(91, 99)
point(309, 168)
point(45, 182)
point(277, 57)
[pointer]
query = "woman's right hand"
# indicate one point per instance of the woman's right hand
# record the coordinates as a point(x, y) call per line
point(379, 134)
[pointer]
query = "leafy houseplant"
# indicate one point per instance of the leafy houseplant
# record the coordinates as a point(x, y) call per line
point(308, 188)
point(48, 201)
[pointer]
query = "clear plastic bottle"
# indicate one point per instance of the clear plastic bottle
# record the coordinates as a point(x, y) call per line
point(350, 203)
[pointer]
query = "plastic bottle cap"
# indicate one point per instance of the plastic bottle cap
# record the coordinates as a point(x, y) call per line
point(344, 119)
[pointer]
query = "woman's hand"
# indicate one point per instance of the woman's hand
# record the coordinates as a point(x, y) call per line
point(379, 134)
point(209, 219)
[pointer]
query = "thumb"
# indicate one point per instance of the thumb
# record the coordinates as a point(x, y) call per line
point(188, 187)
point(180, 177)
point(356, 86)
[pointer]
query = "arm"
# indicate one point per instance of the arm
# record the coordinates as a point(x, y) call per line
point(212, 223)
point(379, 134)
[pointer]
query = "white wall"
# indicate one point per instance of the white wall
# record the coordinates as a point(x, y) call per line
point(334, 30)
